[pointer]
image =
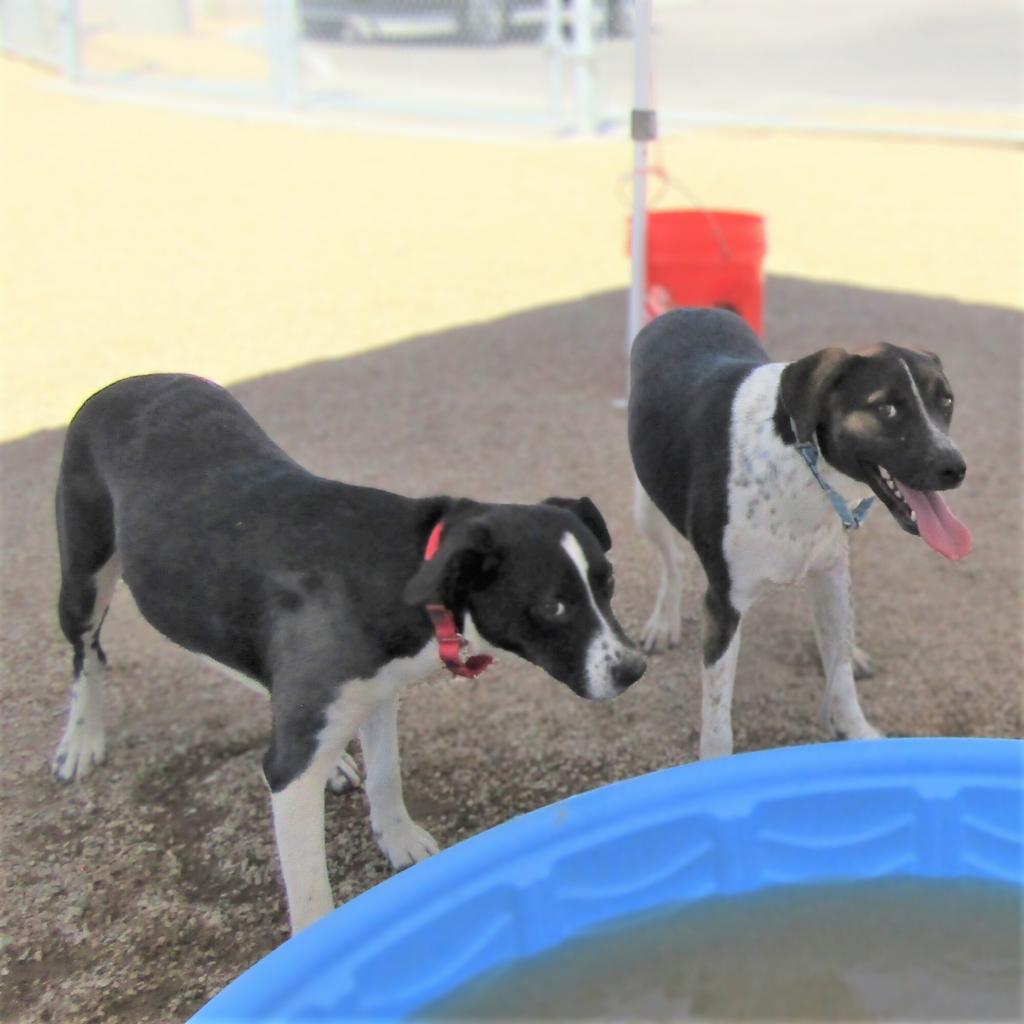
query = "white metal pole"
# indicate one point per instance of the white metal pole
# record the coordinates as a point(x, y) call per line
point(71, 39)
point(643, 129)
point(284, 42)
point(583, 54)
point(555, 47)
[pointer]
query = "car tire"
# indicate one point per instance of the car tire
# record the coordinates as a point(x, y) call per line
point(319, 21)
point(321, 30)
point(483, 21)
point(603, 19)
point(620, 18)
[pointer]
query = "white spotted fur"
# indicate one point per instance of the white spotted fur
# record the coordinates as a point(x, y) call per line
point(781, 529)
point(781, 524)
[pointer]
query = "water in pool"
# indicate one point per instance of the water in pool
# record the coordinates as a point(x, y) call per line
point(893, 949)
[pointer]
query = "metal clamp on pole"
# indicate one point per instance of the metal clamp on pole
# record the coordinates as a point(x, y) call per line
point(644, 129)
point(643, 125)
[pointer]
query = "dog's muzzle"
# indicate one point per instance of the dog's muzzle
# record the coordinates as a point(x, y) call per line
point(615, 677)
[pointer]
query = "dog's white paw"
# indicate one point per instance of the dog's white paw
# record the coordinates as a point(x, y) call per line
point(80, 750)
point(406, 844)
point(860, 731)
point(715, 744)
point(868, 732)
point(344, 776)
point(661, 632)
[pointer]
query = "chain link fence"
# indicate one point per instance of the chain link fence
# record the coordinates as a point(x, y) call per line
point(36, 29)
point(882, 66)
point(530, 61)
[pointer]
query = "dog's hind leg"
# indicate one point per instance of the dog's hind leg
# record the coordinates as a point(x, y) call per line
point(863, 666)
point(833, 628)
point(90, 569)
point(402, 841)
point(664, 627)
point(721, 635)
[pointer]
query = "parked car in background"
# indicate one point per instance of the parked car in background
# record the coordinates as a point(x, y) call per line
point(475, 21)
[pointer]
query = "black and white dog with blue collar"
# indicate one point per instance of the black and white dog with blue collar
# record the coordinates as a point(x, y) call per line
point(757, 464)
point(328, 597)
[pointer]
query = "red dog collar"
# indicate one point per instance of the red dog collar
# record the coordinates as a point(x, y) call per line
point(449, 640)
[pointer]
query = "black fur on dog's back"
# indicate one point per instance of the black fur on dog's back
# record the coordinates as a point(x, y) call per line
point(199, 496)
point(685, 369)
point(301, 583)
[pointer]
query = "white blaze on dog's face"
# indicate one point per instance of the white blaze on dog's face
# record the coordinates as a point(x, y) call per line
point(534, 581)
point(609, 661)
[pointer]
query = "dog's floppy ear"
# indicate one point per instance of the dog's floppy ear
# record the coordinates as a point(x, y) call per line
point(805, 385)
point(585, 510)
point(467, 559)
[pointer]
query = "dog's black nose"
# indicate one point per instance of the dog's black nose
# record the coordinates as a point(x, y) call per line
point(952, 470)
point(629, 670)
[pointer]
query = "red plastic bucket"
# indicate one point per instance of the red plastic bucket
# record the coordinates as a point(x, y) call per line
point(707, 258)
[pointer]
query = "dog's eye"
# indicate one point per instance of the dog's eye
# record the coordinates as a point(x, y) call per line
point(608, 584)
point(946, 403)
point(551, 611)
point(887, 411)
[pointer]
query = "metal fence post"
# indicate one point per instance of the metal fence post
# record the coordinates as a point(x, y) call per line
point(71, 39)
point(583, 55)
point(555, 46)
point(283, 50)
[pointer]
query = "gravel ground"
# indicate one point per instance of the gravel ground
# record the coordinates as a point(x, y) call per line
point(138, 893)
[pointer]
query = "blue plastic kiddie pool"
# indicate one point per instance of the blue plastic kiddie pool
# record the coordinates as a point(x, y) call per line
point(835, 812)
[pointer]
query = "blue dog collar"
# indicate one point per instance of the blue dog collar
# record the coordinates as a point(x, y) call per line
point(851, 519)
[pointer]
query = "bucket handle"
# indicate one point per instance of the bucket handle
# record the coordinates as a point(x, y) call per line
point(658, 172)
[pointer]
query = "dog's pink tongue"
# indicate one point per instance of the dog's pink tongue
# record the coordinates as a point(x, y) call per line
point(939, 528)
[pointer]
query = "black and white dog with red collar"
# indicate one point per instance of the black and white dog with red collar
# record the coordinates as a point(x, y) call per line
point(757, 464)
point(316, 591)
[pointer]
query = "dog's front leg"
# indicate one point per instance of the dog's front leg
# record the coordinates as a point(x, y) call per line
point(833, 629)
point(402, 841)
point(721, 635)
point(308, 738)
point(299, 829)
